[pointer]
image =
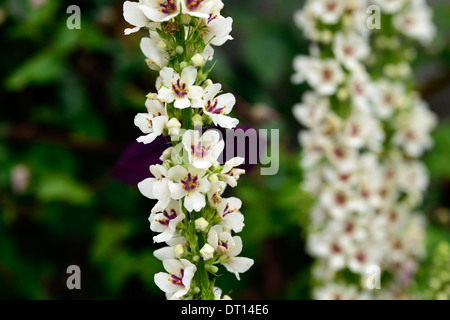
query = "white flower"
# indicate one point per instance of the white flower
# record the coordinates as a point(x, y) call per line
point(390, 6)
point(416, 22)
point(201, 8)
point(153, 122)
point(331, 247)
point(166, 221)
point(312, 110)
point(350, 49)
point(160, 10)
point(414, 128)
point(157, 58)
point(314, 145)
point(360, 87)
point(190, 184)
point(387, 97)
point(232, 218)
point(205, 150)
point(134, 16)
point(361, 130)
point(231, 247)
point(169, 252)
point(218, 294)
point(306, 20)
point(336, 291)
point(413, 179)
point(180, 89)
point(341, 203)
point(364, 256)
point(207, 252)
point(178, 281)
point(217, 30)
point(156, 188)
point(301, 66)
point(342, 157)
point(218, 108)
point(329, 11)
point(324, 76)
point(215, 192)
point(229, 173)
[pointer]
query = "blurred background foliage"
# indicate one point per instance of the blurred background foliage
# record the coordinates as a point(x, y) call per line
point(67, 103)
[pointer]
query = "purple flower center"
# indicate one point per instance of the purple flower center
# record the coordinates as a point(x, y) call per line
point(213, 108)
point(190, 183)
point(169, 217)
point(200, 151)
point(223, 244)
point(211, 17)
point(177, 280)
point(168, 7)
point(227, 210)
point(179, 88)
point(193, 4)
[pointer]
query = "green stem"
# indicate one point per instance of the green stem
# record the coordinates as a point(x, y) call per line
point(187, 119)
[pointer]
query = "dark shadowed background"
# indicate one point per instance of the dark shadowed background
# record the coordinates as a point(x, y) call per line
point(67, 150)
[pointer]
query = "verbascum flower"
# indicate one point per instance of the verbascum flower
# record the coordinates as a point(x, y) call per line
point(190, 216)
point(363, 134)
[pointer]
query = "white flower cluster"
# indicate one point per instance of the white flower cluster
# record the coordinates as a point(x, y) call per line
point(190, 215)
point(362, 135)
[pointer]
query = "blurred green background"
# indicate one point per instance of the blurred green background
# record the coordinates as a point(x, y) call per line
point(67, 103)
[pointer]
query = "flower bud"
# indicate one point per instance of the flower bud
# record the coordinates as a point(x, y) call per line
point(215, 166)
point(183, 64)
point(207, 252)
point(197, 60)
point(197, 121)
point(201, 224)
point(213, 177)
point(179, 50)
point(162, 45)
point(208, 82)
point(195, 258)
point(342, 94)
point(213, 269)
point(185, 19)
point(179, 250)
point(174, 126)
point(167, 154)
point(167, 164)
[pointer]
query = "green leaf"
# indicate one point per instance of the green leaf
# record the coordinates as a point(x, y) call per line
point(437, 159)
point(59, 187)
point(41, 69)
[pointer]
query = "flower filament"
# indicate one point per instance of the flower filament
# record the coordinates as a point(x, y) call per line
point(213, 108)
point(175, 279)
point(169, 217)
point(193, 4)
point(168, 7)
point(180, 88)
point(190, 183)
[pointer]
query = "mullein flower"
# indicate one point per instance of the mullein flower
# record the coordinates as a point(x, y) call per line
point(177, 282)
point(190, 216)
point(364, 132)
point(180, 89)
point(203, 151)
point(153, 122)
point(189, 184)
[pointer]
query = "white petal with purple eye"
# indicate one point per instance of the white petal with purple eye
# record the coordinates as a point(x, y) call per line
point(238, 265)
point(134, 16)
